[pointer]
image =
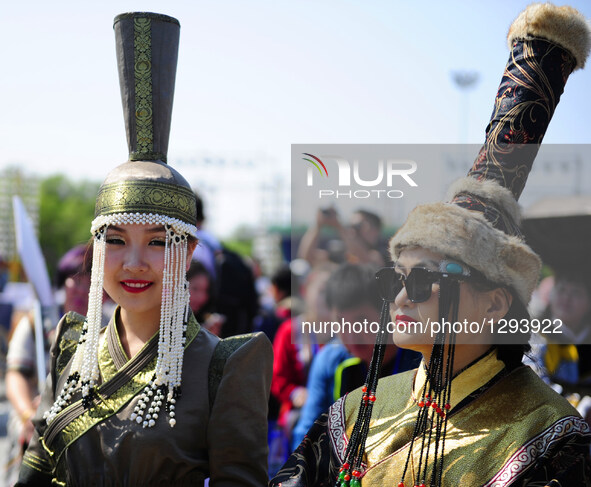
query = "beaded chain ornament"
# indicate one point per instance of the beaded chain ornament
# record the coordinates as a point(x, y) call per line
point(165, 387)
point(433, 405)
point(434, 400)
point(350, 472)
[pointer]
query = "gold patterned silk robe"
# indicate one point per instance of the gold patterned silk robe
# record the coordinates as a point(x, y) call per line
point(504, 428)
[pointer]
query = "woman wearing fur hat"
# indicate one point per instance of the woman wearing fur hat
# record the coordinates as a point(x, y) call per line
point(471, 414)
point(112, 412)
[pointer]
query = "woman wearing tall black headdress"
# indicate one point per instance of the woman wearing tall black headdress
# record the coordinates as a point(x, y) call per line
point(471, 414)
point(153, 399)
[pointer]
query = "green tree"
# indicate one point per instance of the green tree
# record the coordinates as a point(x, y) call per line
point(66, 211)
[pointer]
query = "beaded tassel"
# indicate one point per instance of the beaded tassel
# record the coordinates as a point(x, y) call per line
point(84, 372)
point(165, 387)
point(434, 399)
point(350, 472)
point(88, 354)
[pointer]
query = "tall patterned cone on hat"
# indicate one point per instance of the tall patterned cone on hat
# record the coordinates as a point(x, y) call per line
point(147, 52)
point(479, 227)
point(546, 44)
point(144, 190)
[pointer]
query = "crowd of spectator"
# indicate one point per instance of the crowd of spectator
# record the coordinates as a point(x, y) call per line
point(334, 280)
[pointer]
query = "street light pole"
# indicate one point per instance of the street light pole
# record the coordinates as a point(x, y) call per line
point(464, 80)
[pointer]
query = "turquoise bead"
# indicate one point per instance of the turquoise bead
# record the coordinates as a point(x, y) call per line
point(454, 268)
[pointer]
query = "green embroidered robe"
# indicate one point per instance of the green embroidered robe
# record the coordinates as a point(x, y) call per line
point(102, 446)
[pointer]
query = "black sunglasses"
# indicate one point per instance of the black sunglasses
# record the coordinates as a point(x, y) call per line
point(418, 283)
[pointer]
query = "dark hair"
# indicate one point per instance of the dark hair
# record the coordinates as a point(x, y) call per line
point(281, 279)
point(191, 239)
point(510, 347)
point(512, 353)
point(373, 219)
point(77, 260)
point(352, 286)
point(197, 269)
point(571, 277)
point(580, 276)
point(199, 208)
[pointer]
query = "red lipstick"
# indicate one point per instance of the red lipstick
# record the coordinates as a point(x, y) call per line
point(405, 318)
point(135, 285)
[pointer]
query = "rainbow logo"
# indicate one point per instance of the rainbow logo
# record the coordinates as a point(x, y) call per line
point(314, 163)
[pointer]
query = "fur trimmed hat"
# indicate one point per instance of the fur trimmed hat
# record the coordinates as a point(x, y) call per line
point(479, 225)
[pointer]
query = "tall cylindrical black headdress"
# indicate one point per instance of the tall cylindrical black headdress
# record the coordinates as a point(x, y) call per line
point(480, 224)
point(147, 51)
point(144, 190)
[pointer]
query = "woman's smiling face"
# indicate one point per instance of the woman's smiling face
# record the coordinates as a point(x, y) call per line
point(134, 265)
